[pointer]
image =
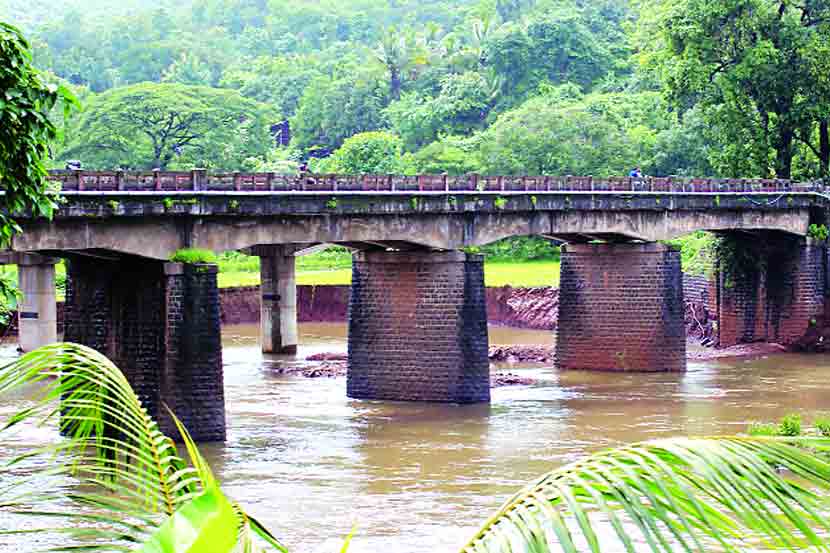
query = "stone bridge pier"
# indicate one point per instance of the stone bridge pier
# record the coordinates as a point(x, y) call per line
point(418, 327)
point(769, 287)
point(159, 322)
point(621, 308)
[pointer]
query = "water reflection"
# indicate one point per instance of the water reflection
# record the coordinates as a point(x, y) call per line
point(310, 462)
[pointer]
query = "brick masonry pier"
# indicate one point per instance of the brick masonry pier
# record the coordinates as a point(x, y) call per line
point(621, 308)
point(159, 322)
point(418, 327)
point(772, 290)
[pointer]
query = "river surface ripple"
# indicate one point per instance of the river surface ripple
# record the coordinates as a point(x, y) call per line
point(310, 463)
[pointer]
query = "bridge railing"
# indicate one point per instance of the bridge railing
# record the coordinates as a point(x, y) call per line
point(200, 180)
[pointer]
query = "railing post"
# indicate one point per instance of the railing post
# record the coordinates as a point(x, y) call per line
point(501, 183)
point(156, 179)
point(79, 179)
point(591, 183)
point(236, 184)
point(446, 182)
point(392, 186)
point(474, 180)
point(198, 179)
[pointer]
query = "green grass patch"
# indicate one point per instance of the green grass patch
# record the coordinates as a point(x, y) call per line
point(525, 274)
point(193, 255)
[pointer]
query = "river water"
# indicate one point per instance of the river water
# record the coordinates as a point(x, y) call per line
point(310, 463)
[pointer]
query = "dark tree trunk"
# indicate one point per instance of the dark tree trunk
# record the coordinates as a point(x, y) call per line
point(824, 147)
point(784, 162)
point(394, 83)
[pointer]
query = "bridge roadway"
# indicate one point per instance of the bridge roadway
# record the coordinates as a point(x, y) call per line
point(417, 328)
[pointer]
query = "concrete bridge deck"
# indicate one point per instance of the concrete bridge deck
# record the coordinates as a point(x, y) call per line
point(417, 327)
point(154, 214)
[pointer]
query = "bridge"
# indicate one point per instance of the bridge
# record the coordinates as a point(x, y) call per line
point(417, 318)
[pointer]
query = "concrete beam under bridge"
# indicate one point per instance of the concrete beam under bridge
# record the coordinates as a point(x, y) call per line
point(432, 221)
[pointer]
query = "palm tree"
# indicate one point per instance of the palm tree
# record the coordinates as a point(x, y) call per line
point(134, 492)
point(399, 51)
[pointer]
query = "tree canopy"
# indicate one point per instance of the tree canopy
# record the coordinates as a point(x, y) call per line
point(149, 126)
point(677, 87)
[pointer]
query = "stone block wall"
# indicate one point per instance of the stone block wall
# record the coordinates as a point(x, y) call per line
point(621, 308)
point(418, 327)
point(776, 297)
point(160, 324)
point(193, 377)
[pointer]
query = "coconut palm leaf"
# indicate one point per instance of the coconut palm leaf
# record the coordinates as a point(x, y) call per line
point(129, 488)
point(679, 494)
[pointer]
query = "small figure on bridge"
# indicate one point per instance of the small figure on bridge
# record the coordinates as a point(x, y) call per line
point(636, 173)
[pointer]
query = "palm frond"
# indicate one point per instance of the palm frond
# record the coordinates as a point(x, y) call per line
point(679, 494)
point(130, 487)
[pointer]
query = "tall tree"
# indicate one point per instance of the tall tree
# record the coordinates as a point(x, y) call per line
point(25, 133)
point(754, 64)
point(151, 125)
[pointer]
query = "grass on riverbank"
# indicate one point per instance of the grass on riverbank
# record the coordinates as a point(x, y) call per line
point(520, 274)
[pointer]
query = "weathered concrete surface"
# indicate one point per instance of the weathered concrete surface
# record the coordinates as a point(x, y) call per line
point(278, 319)
point(143, 224)
point(621, 308)
point(418, 328)
point(37, 311)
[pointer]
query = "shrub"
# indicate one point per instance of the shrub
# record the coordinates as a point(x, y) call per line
point(762, 429)
point(194, 255)
point(822, 424)
point(818, 232)
point(790, 425)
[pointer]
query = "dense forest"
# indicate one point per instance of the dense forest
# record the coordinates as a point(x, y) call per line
point(733, 88)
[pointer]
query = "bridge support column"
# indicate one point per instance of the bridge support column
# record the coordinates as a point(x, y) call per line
point(37, 312)
point(159, 322)
point(418, 327)
point(770, 288)
point(621, 308)
point(278, 321)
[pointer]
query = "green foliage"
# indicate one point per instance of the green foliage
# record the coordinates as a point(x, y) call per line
point(790, 425)
point(762, 429)
point(332, 203)
point(333, 109)
point(822, 425)
point(715, 54)
point(500, 202)
point(365, 154)
point(689, 494)
point(697, 252)
point(233, 205)
point(565, 133)
point(518, 248)
point(818, 232)
point(163, 126)
point(25, 133)
point(193, 256)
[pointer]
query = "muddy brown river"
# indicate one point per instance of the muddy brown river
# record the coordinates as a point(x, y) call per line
point(310, 463)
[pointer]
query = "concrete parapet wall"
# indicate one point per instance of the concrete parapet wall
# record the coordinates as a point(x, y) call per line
point(418, 328)
point(621, 308)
